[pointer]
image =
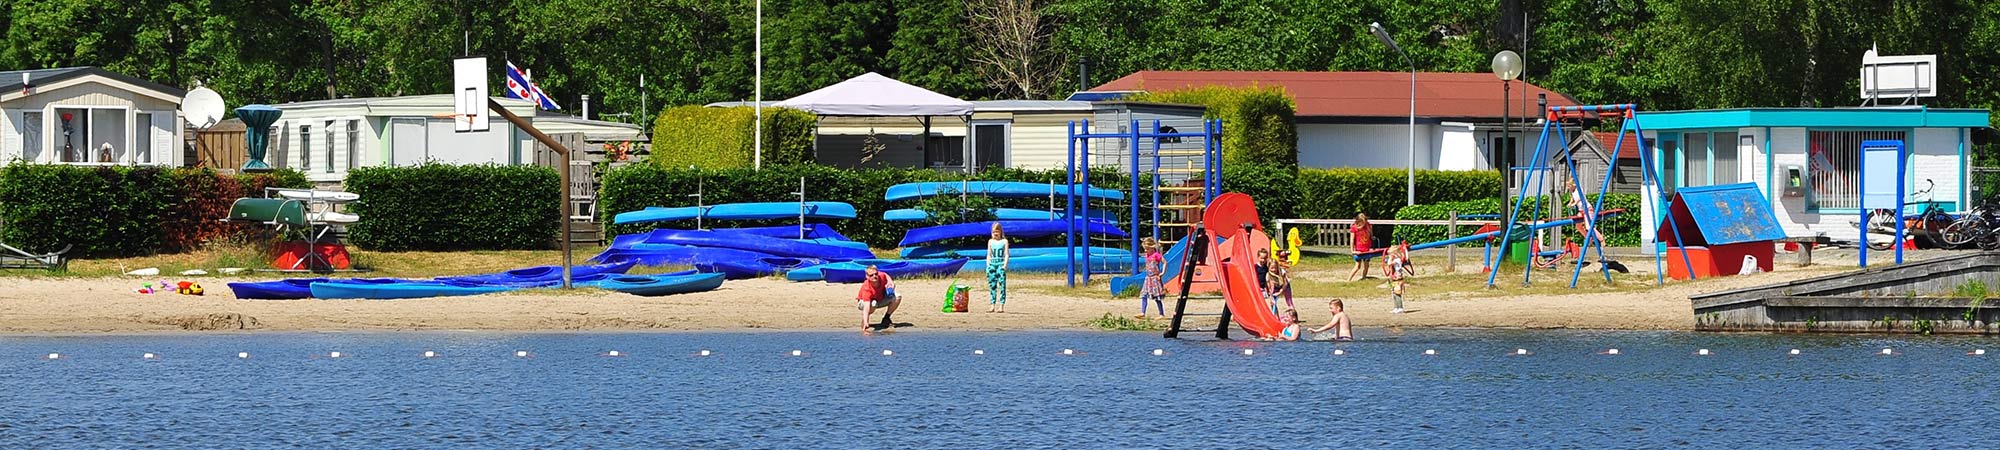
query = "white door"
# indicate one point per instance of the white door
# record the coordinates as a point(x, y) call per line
point(408, 142)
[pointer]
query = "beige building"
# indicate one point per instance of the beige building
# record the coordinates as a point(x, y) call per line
point(88, 116)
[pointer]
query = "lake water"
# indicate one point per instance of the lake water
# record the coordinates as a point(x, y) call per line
point(1022, 393)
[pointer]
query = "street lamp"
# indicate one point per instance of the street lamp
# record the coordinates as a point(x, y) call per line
point(1383, 34)
point(1507, 66)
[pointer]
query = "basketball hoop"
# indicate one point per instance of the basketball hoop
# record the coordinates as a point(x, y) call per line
point(469, 90)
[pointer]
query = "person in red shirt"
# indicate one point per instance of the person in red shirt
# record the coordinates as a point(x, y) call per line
point(1363, 241)
point(877, 292)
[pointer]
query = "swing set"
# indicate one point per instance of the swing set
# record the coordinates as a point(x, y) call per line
point(1548, 256)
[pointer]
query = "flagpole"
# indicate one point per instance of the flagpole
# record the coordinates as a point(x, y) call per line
point(757, 104)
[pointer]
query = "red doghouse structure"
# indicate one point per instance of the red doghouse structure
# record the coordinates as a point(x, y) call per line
point(1721, 229)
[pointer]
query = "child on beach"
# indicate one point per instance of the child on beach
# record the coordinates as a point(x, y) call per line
point(877, 292)
point(996, 271)
point(1363, 243)
point(1584, 219)
point(1281, 278)
point(1154, 288)
point(1339, 322)
point(1398, 268)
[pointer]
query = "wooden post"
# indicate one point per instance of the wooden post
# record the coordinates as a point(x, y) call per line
point(523, 124)
point(1451, 251)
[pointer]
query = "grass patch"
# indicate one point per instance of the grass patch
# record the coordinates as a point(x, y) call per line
point(1111, 322)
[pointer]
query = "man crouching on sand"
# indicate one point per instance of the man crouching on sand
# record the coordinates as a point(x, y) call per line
point(876, 292)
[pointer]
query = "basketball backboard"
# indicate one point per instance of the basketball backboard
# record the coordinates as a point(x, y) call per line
point(469, 92)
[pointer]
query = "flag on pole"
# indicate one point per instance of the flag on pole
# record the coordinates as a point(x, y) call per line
point(521, 85)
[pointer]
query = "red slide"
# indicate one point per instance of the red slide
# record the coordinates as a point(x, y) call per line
point(1226, 218)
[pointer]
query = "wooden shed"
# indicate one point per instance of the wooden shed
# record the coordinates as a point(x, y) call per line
point(1722, 229)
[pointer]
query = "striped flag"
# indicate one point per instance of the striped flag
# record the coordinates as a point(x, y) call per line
point(521, 85)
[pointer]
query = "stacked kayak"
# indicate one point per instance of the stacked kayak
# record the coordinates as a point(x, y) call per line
point(1016, 229)
point(542, 274)
point(1055, 263)
point(754, 243)
point(658, 285)
point(739, 211)
point(934, 252)
point(1015, 189)
point(404, 289)
point(817, 272)
point(917, 215)
point(755, 268)
point(896, 270)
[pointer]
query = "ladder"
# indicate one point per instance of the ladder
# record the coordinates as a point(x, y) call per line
point(1196, 256)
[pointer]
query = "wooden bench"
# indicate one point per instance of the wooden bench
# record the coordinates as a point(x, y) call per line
point(1806, 244)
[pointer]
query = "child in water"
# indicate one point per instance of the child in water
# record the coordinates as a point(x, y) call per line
point(1153, 288)
point(1339, 322)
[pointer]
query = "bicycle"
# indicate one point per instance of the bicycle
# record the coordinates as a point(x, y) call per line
point(1976, 226)
point(1928, 224)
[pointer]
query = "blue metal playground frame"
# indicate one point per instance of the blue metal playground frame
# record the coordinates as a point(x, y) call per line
point(1077, 171)
point(1537, 165)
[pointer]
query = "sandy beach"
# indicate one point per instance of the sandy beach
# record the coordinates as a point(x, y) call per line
point(110, 305)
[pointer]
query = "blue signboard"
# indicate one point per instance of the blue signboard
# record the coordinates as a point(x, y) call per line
point(1881, 174)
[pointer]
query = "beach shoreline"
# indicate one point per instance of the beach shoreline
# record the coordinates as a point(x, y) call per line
point(111, 305)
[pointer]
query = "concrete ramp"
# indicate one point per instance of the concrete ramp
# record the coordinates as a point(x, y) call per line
point(1916, 297)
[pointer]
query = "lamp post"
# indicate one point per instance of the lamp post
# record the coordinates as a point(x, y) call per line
point(1506, 66)
point(757, 102)
point(1383, 34)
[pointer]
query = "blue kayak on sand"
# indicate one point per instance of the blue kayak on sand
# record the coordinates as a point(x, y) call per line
point(670, 254)
point(658, 285)
point(1020, 229)
point(816, 272)
point(1016, 189)
point(754, 268)
point(739, 211)
point(896, 270)
point(543, 273)
point(761, 244)
point(292, 288)
point(402, 290)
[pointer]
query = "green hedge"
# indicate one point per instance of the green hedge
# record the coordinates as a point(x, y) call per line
point(710, 137)
point(455, 207)
point(115, 211)
point(637, 186)
point(1621, 230)
point(1259, 124)
point(1342, 193)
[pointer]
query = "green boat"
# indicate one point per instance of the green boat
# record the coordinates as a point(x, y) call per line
point(268, 210)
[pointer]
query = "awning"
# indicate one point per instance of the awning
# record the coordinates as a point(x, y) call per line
point(872, 94)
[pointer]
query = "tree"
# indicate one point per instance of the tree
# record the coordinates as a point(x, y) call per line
point(1012, 46)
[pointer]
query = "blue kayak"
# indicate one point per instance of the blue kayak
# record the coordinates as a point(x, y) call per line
point(918, 215)
point(404, 289)
point(812, 231)
point(1055, 264)
point(739, 211)
point(935, 252)
point(761, 244)
point(754, 268)
point(1019, 229)
point(815, 272)
point(292, 288)
point(670, 254)
point(543, 273)
point(1014, 189)
point(897, 270)
point(657, 285)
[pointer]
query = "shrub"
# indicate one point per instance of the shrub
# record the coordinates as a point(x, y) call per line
point(1274, 187)
point(113, 211)
point(1621, 230)
point(455, 207)
point(1258, 122)
point(1342, 193)
point(709, 137)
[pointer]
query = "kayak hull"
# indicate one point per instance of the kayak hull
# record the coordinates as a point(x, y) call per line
point(658, 285)
point(1014, 189)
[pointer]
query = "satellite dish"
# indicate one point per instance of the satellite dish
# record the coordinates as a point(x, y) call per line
point(202, 107)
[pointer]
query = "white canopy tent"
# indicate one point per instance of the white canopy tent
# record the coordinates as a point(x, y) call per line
point(874, 95)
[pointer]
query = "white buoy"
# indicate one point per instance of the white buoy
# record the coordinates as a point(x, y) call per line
point(1158, 352)
point(1611, 352)
point(333, 355)
point(430, 354)
point(55, 356)
point(1069, 352)
point(887, 352)
point(1979, 352)
point(1888, 352)
point(1249, 351)
point(978, 352)
point(1795, 351)
point(1430, 352)
point(612, 353)
point(1521, 351)
point(148, 356)
point(798, 353)
point(1702, 352)
point(242, 355)
point(704, 353)
point(520, 353)
point(1338, 352)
